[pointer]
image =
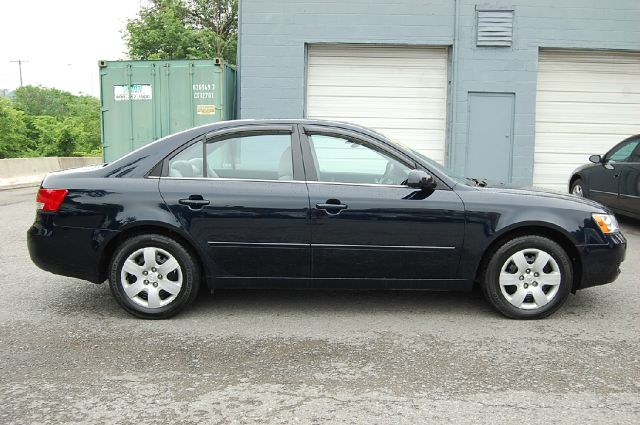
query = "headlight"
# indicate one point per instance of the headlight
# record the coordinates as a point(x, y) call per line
point(606, 222)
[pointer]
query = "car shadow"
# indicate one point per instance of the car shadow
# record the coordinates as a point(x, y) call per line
point(87, 300)
point(336, 301)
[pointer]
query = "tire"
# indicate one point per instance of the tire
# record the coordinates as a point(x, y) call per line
point(577, 188)
point(542, 283)
point(139, 286)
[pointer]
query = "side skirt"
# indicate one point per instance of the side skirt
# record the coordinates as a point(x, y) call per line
point(350, 284)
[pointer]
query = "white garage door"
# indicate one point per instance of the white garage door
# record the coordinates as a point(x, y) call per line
point(587, 101)
point(398, 91)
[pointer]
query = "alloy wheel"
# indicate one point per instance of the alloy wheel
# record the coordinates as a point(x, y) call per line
point(577, 190)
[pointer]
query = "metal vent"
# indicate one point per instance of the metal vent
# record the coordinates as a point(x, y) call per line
point(495, 28)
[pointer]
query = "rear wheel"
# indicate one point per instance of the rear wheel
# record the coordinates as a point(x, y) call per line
point(528, 277)
point(577, 188)
point(153, 276)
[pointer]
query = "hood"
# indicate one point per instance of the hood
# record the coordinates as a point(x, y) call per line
point(540, 192)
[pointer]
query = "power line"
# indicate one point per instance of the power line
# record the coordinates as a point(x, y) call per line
point(19, 62)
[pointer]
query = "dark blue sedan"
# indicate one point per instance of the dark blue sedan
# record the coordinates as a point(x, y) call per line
point(313, 204)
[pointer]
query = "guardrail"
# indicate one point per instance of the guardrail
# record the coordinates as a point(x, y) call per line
point(23, 172)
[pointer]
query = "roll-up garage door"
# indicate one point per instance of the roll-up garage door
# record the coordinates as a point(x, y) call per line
point(587, 101)
point(398, 91)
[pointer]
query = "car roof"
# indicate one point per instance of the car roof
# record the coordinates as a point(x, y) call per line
point(275, 121)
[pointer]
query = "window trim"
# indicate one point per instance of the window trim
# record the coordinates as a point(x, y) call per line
point(236, 132)
point(310, 130)
point(306, 130)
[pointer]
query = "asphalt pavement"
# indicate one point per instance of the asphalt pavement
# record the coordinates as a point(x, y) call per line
point(69, 354)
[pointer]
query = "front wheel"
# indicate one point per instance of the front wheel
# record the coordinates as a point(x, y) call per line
point(153, 276)
point(528, 277)
point(577, 188)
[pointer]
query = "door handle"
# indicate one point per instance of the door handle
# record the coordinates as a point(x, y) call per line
point(194, 202)
point(332, 207)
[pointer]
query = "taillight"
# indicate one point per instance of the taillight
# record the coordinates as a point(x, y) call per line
point(50, 199)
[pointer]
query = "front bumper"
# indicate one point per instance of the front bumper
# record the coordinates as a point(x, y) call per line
point(601, 262)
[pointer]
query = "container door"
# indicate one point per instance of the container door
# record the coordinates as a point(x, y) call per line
point(128, 111)
point(191, 95)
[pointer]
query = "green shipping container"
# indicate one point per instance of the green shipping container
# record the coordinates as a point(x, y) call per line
point(143, 101)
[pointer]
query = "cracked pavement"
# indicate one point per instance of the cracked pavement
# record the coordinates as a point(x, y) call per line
point(71, 355)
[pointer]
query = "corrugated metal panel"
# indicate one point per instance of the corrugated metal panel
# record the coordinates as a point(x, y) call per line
point(587, 101)
point(495, 27)
point(399, 91)
point(145, 100)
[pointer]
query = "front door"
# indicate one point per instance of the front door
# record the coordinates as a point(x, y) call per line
point(367, 224)
point(629, 186)
point(605, 179)
point(243, 198)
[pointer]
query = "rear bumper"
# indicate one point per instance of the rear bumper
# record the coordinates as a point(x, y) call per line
point(601, 263)
point(67, 251)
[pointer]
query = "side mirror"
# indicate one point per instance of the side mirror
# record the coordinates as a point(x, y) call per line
point(422, 180)
point(596, 159)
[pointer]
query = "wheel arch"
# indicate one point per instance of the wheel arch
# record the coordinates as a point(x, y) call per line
point(148, 228)
point(574, 177)
point(551, 233)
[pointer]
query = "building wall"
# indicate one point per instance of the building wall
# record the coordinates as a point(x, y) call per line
point(273, 36)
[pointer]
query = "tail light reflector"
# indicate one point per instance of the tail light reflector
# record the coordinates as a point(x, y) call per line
point(50, 199)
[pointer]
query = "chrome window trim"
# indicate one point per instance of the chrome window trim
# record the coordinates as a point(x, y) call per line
point(359, 184)
point(226, 179)
point(278, 181)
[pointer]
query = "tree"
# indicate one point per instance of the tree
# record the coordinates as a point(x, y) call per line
point(184, 29)
point(33, 100)
point(49, 122)
point(13, 131)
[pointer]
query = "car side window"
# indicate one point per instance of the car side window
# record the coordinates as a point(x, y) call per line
point(187, 163)
point(625, 152)
point(253, 157)
point(344, 160)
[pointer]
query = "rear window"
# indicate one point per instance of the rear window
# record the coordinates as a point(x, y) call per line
point(252, 157)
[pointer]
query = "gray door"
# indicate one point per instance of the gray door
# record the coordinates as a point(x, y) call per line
point(489, 149)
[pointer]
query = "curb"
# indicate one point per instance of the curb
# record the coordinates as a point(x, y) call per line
point(19, 186)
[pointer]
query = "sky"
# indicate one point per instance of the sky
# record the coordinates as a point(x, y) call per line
point(61, 41)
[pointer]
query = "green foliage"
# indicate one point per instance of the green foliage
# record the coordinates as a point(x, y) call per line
point(184, 29)
point(13, 130)
point(49, 122)
point(38, 101)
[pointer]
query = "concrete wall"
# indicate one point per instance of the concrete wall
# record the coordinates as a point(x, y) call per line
point(15, 172)
point(273, 36)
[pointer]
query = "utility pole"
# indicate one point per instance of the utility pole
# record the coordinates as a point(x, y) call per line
point(19, 62)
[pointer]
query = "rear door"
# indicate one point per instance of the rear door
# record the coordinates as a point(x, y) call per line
point(242, 196)
point(366, 223)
